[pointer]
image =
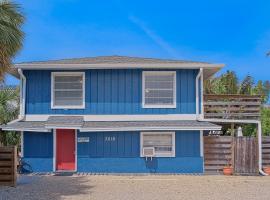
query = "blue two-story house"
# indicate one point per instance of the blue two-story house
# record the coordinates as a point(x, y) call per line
point(113, 114)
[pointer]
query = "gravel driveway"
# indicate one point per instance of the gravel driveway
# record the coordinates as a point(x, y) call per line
point(139, 187)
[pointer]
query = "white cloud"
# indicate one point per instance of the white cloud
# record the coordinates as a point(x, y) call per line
point(156, 38)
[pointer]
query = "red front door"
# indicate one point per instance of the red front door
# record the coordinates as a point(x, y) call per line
point(65, 149)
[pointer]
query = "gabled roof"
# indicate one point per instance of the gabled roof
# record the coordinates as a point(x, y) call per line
point(112, 60)
point(120, 62)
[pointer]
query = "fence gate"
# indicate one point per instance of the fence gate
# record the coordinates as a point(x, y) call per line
point(245, 155)
point(239, 152)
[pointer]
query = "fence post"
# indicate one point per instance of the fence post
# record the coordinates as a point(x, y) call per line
point(232, 152)
point(14, 177)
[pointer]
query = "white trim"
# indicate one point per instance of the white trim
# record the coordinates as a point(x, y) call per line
point(55, 153)
point(54, 150)
point(202, 147)
point(230, 121)
point(202, 100)
point(26, 129)
point(76, 152)
point(161, 133)
point(21, 96)
point(119, 117)
point(259, 126)
point(13, 121)
point(53, 74)
point(150, 129)
point(120, 129)
point(184, 65)
point(61, 127)
point(22, 93)
point(22, 144)
point(197, 91)
point(201, 143)
point(144, 73)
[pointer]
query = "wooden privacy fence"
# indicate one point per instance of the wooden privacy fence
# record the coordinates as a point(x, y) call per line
point(239, 152)
point(8, 166)
point(266, 151)
point(217, 153)
point(232, 106)
point(246, 155)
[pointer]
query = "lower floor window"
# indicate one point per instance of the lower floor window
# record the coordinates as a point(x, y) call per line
point(162, 142)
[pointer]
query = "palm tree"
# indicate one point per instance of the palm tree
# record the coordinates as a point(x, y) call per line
point(246, 87)
point(9, 109)
point(227, 83)
point(11, 35)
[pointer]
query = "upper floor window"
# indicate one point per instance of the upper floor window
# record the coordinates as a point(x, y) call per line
point(68, 90)
point(159, 89)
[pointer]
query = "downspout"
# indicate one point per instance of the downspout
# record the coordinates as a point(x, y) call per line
point(197, 94)
point(260, 149)
point(22, 106)
point(22, 94)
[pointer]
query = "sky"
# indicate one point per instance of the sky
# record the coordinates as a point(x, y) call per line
point(233, 32)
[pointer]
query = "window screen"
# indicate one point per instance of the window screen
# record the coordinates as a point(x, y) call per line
point(68, 90)
point(159, 89)
point(163, 142)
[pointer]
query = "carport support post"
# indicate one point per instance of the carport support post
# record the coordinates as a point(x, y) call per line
point(233, 145)
point(259, 131)
point(232, 129)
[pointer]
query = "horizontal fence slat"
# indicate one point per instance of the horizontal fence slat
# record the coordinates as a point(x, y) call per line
point(218, 151)
point(209, 167)
point(5, 177)
point(3, 150)
point(216, 162)
point(223, 146)
point(5, 170)
point(5, 163)
point(5, 156)
point(266, 150)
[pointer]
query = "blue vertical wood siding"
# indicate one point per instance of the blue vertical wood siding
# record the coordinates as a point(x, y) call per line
point(109, 92)
point(38, 145)
point(38, 151)
point(127, 144)
point(116, 152)
point(121, 154)
point(110, 144)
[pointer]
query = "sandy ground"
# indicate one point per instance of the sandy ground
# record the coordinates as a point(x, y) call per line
point(139, 187)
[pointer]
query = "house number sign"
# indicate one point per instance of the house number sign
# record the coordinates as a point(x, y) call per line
point(83, 139)
point(109, 139)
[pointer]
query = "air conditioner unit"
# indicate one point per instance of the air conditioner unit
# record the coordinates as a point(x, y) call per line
point(148, 152)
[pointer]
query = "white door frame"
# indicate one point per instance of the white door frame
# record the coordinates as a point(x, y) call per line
point(54, 152)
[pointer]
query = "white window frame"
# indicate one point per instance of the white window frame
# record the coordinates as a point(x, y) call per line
point(53, 74)
point(143, 90)
point(172, 154)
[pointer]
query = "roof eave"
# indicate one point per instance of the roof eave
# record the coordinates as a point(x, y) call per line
point(115, 66)
point(209, 69)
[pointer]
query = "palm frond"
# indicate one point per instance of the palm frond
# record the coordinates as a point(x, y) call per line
point(11, 34)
